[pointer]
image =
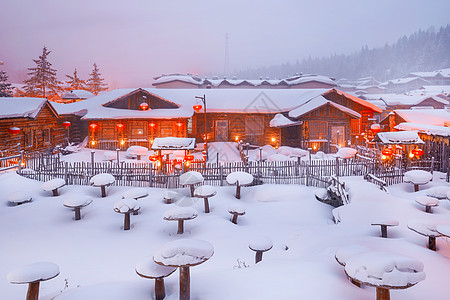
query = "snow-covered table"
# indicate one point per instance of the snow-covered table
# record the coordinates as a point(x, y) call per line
point(53, 185)
point(126, 207)
point(102, 180)
point(444, 229)
point(343, 254)
point(205, 192)
point(137, 151)
point(260, 245)
point(417, 177)
point(384, 271)
point(384, 225)
point(184, 253)
point(77, 202)
point(191, 178)
point(438, 192)
point(426, 229)
point(428, 202)
point(33, 274)
point(236, 210)
point(180, 214)
point(19, 197)
point(170, 196)
point(148, 268)
point(239, 179)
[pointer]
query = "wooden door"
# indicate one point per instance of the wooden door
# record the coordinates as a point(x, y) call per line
point(221, 131)
point(338, 136)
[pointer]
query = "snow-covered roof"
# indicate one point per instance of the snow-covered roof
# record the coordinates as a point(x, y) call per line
point(424, 128)
point(173, 143)
point(78, 94)
point(21, 107)
point(188, 78)
point(442, 72)
point(281, 121)
point(398, 137)
point(404, 80)
point(357, 100)
point(404, 99)
point(318, 102)
point(438, 117)
point(312, 78)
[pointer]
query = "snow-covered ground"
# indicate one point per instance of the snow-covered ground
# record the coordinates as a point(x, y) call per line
point(97, 258)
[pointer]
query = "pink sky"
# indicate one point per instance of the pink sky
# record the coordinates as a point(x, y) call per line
point(132, 41)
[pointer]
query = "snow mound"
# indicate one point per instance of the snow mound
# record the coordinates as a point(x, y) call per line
point(134, 151)
point(292, 152)
point(418, 176)
point(243, 178)
point(184, 252)
point(385, 269)
point(102, 179)
point(19, 197)
point(191, 177)
point(278, 157)
point(438, 192)
point(346, 152)
point(135, 193)
point(109, 155)
point(33, 272)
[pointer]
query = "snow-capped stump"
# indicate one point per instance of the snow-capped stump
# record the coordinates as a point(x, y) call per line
point(343, 254)
point(148, 268)
point(102, 180)
point(384, 271)
point(125, 207)
point(205, 192)
point(77, 202)
point(239, 179)
point(19, 197)
point(235, 211)
point(260, 245)
point(53, 185)
point(346, 152)
point(135, 193)
point(184, 253)
point(417, 177)
point(426, 229)
point(33, 274)
point(191, 178)
point(428, 202)
point(180, 214)
point(438, 192)
point(170, 196)
point(137, 151)
point(384, 224)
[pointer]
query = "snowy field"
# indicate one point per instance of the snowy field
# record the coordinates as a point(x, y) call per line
point(97, 258)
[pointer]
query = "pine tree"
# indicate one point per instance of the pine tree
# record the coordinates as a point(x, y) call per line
point(95, 82)
point(42, 81)
point(5, 88)
point(75, 82)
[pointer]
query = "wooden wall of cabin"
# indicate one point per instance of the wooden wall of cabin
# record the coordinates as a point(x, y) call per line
point(437, 147)
point(326, 126)
point(124, 133)
point(43, 133)
point(232, 127)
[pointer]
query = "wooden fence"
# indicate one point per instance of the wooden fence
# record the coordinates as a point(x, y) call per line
point(11, 162)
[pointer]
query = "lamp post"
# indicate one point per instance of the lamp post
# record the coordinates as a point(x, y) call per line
point(197, 108)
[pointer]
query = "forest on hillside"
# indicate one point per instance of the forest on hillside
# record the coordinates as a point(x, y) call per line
point(424, 50)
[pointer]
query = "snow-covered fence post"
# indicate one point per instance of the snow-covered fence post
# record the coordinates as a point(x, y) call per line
point(432, 165)
point(448, 170)
point(118, 157)
point(221, 174)
point(92, 160)
point(20, 161)
point(337, 167)
point(307, 174)
point(150, 179)
point(66, 171)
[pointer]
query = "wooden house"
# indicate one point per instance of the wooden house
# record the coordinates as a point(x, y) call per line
point(31, 124)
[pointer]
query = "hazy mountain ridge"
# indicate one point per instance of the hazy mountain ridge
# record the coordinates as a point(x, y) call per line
point(422, 51)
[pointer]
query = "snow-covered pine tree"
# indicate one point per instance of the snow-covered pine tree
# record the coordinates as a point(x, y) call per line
point(75, 82)
point(95, 83)
point(5, 88)
point(42, 81)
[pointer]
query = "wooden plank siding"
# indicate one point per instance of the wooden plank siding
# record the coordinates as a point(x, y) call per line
point(42, 133)
point(239, 128)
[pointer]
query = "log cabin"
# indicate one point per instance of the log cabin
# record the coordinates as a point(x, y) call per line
point(117, 119)
point(30, 124)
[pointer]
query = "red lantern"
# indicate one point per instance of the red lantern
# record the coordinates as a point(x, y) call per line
point(153, 158)
point(417, 152)
point(119, 126)
point(93, 126)
point(375, 128)
point(152, 125)
point(66, 124)
point(143, 106)
point(189, 157)
point(179, 124)
point(387, 152)
point(197, 107)
point(14, 130)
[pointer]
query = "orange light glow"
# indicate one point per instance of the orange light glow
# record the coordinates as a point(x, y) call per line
point(236, 138)
point(179, 124)
point(119, 126)
point(93, 143)
point(152, 125)
point(273, 140)
point(197, 107)
point(93, 126)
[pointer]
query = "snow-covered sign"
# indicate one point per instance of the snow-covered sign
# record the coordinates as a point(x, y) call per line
point(346, 152)
point(398, 137)
point(173, 143)
point(281, 121)
point(385, 269)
